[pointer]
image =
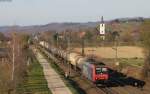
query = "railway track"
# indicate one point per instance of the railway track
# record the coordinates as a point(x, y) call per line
point(99, 90)
point(109, 91)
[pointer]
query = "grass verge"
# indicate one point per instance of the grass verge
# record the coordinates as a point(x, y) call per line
point(35, 82)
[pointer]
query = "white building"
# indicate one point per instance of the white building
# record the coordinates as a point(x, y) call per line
point(102, 29)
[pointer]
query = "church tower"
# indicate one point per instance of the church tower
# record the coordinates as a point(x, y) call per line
point(102, 29)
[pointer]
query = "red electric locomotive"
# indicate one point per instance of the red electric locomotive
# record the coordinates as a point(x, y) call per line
point(95, 72)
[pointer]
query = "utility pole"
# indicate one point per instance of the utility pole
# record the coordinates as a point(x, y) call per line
point(82, 46)
point(116, 54)
point(82, 35)
point(13, 65)
point(69, 67)
point(57, 36)
point(116, 49)
point(18, 48)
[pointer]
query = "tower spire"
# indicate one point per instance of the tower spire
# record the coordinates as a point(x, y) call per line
point(102, 20)
point(102, 29)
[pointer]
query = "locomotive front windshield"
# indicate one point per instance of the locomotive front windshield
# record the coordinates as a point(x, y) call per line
point(100, 70)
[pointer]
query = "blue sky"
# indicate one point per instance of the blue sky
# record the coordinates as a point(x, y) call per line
point(36, 12)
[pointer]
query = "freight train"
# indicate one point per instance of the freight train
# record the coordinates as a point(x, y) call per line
point(89, 68)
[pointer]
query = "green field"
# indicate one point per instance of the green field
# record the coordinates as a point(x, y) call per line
point(35, 82)
point(132, 62)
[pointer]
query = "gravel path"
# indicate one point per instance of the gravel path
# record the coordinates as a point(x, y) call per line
point(55, 83)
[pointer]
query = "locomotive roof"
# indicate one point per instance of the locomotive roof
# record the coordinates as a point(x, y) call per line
point(97, 63)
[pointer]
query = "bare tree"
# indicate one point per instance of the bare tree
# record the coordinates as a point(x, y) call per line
point(13, 72)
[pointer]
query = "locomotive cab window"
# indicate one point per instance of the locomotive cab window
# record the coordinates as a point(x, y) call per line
point(104, 70)
point(101, 70)
point(98, 70)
